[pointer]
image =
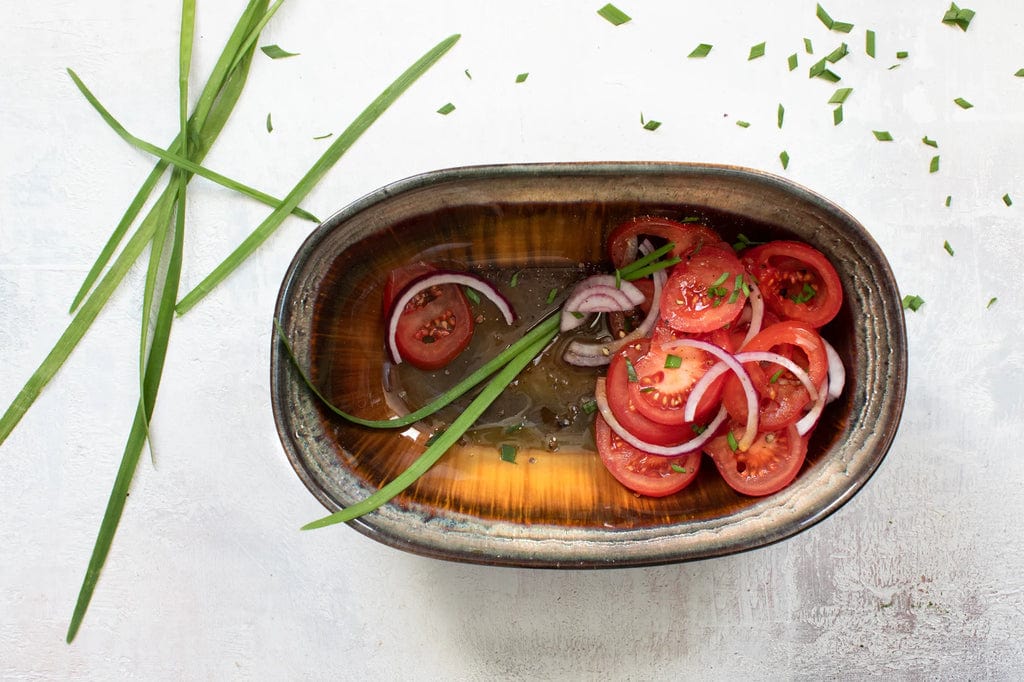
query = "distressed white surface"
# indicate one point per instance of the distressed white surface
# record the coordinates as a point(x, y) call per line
point(920, 576)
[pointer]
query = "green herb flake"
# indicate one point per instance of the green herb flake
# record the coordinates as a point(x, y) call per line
point(508, 453)
point(631, 372)
point(514, 282)
point(743, 241)
point(955, 16)
point(784, 159)
point(825, 18)
point(270, 124)
point(468, 74)
point(509, 430)
point(947, 247)
point(930, 142)
point(775, 377)
point(837, 115)
point(962, 103)
point(805, 295)
point(840, 95)
point(698, 428)
point(838, 53)
point(842, 27)
point(933, 166)
point(614, 15)
point(471, 295)
point(902, 54)
point(699, 52)
point(652, 125)
point(912, 302)
point(756, 51)
point(743, 124)
point(949, 200)
point(793, 61)
point(731, 440)
point(894, 66)
point(589, 406)
point(1007, 200)
point(780, 115)
point(882, 135)
point(869, 43)
point(991, 302)
point(324, 136)
point(808, 47)
point(275, 52)
point(721, 279)
point(520, 78)
point(446, 109)
point(433, 437)
point(1020, 73)
point(551, 295)
point(673, 361)
point(679, 470)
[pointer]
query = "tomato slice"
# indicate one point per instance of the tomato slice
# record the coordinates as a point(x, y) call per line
point(642, 472)
point(797, 281)
point(624, 407)
point(687, 237)
point(435, 326)
point(704, 292)
point(666, 377)
point(769, 465)
point(784, 399)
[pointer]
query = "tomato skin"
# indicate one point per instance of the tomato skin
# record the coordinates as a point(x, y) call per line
point(782, 401)
point(641, 472)
point(441, 314)
point(622, 405)
point(784, 268)
point(769, 465)
point(697, 298)
point(623, 240)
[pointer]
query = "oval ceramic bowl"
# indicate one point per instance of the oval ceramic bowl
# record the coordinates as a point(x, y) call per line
point(562, 509)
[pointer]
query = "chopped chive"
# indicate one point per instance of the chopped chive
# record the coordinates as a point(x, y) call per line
point(756, 51)
point(838, 53)
point(652, 125)
point(840, 95)
point(275, 52)
point(1007, 200)
point(679, 470)
point(775, 377)
point(522, 77)
point(743, 124)
point(805, 295)
point(721, 279)
point(731, 440)
point(589, 406)
point(820, 70)
point(949, 200)
point(743, 241)
point(323, 137)
point(962, 103)
point(894, 66)
point(869, 43)
point(1020, 73)
point(552, 294)
point(508, 453)
point(698, 428)
point(780, 114)
point(446, 109)
point(734, 296)
point(947, 247)
point(578, 315)
point(613, 14)
point(673, 361)
point(468, 74)
point(837, 115)
point(808, 47)
point(991, 302)
point(432, 438)
point(631, 372)
point(882, 135)
point(842, 27)
point(902, 54)
point(912, 302)
point(933, 166)
point(825, 18)
point(784, 159)
point(699, 52)
point(471, 295)
point(955, 16)
point(793, 61)
point(514, 281)
point(628, 270)
point(929, 142)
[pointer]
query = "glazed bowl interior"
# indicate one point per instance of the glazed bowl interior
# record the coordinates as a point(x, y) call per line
point(561, 508)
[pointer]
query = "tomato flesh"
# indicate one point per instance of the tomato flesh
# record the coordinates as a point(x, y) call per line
point(642, 472)
point(797, 281)
point(625, 407)
point(665, 379)
point(768, 465)
point(705, 292)
point(687, 237)
point(435, 326)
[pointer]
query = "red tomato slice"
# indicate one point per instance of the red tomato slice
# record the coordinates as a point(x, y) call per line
point(769, 465)
point(797, 281)
point(624, 239)
point(641, 472)
point(702, 293)
point(622, 405)
point(783, 400)
point(435, 326)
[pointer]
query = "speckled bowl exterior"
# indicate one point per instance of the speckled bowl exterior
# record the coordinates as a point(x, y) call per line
point(562, 509)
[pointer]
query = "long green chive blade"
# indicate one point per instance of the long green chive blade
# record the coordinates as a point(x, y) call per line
point(912, 302)
point(933, 166)
point(962, 103)
point(840, 95)
point(699, 52)
point(1007, 200)
point(651, 268)
point(177, 159)
point(784, 159)
point(352, 133)
point(869, 43)
point(627, 270)
point(793, 61)
point(434, 452)
point(780, 114)
point(614, 15)
point(276, 52)
point(756, 51)
point(947, 247)
point(454, 393)
point(882, 135)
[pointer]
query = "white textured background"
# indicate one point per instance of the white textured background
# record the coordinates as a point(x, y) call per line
point(920, 576)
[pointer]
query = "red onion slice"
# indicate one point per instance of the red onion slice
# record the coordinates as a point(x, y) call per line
point(750, 433)
point(836, 372)
point(438, 278)
point(808, 421)
point(601, 396)
point(598, 294)
point(756, 313)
